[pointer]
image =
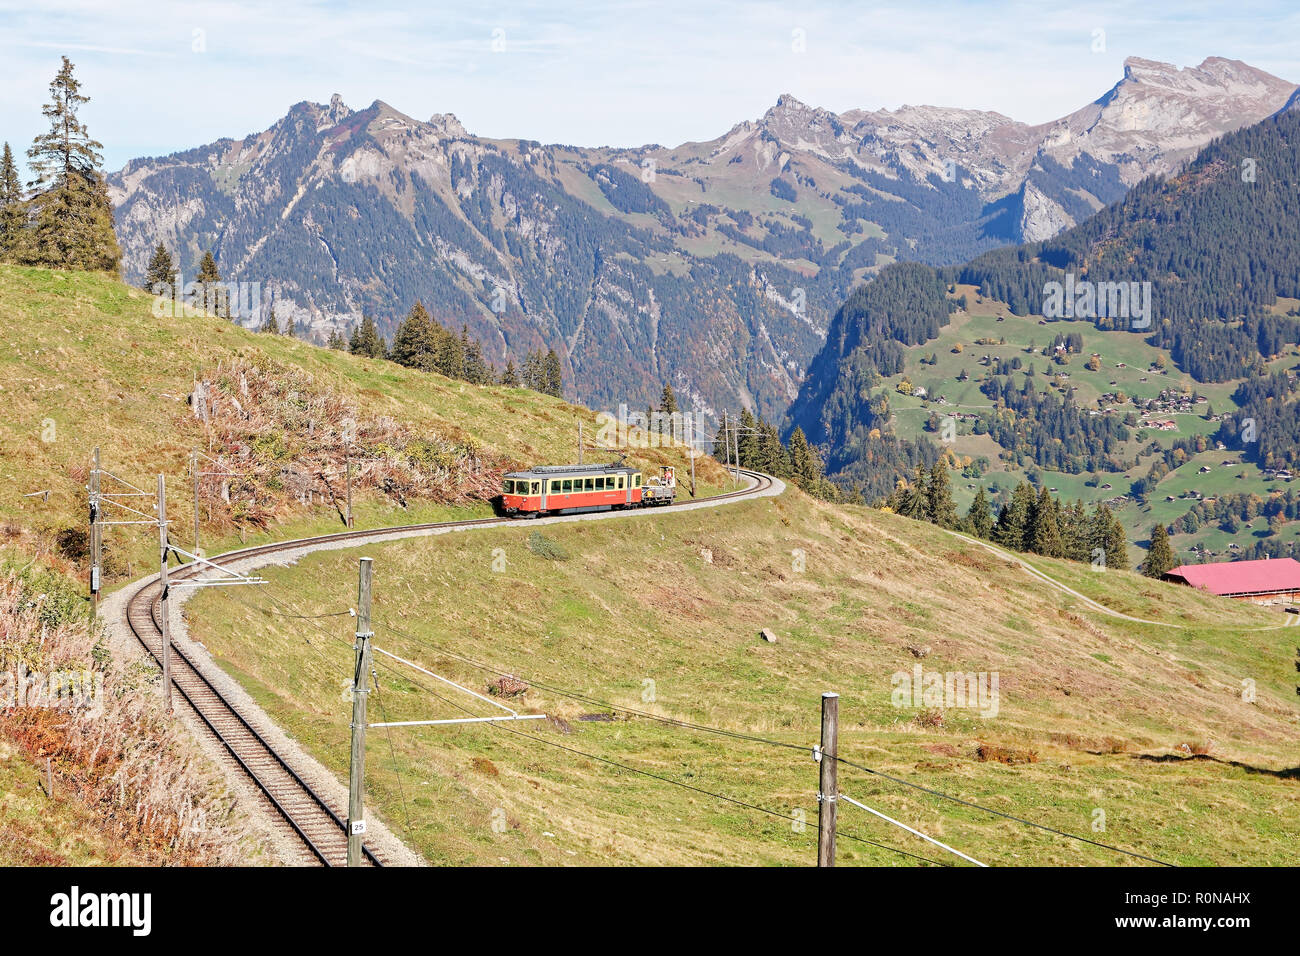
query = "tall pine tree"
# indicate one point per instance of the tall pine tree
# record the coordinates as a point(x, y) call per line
point(1044, 535)
point(73, 218)
point(12, 210)
point(979, 517)
point(1012, 528)
point(1160, 555)
point(366, 340)
point(553, 383)
point(161, 270)
point(938, 497)
point(416, 342)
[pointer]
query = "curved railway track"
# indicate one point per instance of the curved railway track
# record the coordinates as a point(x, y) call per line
point(306, 815)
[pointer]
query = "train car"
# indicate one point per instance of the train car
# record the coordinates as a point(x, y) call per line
point(569, 489)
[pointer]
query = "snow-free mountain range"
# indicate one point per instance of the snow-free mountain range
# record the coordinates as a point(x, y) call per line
point(713, 266)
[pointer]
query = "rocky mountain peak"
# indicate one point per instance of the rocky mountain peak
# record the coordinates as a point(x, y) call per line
point(797, 124)
point(447, 126)
point(338, 111)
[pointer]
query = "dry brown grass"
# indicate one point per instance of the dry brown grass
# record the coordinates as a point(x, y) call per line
point(139, 774)
point(1011, 756)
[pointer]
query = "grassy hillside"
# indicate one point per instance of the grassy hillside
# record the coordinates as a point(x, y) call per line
point(84, 362)
point(661, 614)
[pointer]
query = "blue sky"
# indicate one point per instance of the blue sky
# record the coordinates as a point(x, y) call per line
point(167, 76)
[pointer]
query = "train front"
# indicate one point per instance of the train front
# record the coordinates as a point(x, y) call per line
point(515, 487)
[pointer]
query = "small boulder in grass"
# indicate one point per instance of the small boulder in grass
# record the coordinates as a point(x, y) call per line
point(767, 635)
point(507, 686)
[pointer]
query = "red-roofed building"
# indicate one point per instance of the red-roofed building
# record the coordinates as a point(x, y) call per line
point(1275, 581)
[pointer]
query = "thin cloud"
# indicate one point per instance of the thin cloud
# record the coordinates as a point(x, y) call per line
point(589, 72)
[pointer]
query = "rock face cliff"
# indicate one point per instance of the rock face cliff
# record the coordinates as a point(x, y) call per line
point(713, 266)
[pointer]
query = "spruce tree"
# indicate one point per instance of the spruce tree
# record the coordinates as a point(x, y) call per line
point(270, 325)
point(668, 406)
point(1044, 535)
point(416, 341)
point(161, 270)
point(979, 517)
point(212, 293)
point(668, 401)
point(1116, 545)
point(1160, 555)
point(912, 498)
point(337, 342)
point(533, 375)
point(12, 213)
point(510, 377)
point(73, 216)
point(770, 454)
point(553, 381)
point(803, 463)
point(366, 341)
point(938, 497)
point(746, 441)
point(1013, 521)
point(1075, 532)
point(476, 368)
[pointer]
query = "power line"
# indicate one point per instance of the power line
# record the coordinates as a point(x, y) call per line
point(1000, 813)
point(930, 839)
point(688, 725)
point(750, 737)
point(574, 695)
point(654, 776)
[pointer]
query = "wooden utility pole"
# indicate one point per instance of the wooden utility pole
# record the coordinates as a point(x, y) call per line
point(692, 454)
point(736, 441)
point(360, 688)
point(580, 441)
point(165, 611)
point(96, 536)
point(194, 470)
point(347, 458)
point(726, 442)
point(827, 786)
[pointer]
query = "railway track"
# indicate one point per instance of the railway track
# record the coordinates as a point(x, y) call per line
point(308, 817)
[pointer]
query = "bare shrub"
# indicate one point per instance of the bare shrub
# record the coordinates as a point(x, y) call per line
point(1007, 755)
point(283, 439)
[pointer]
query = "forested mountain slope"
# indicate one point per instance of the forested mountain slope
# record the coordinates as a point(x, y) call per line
point(1192, 275)
point(712, 266)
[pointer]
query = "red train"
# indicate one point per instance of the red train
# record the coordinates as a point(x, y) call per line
point(570, 489)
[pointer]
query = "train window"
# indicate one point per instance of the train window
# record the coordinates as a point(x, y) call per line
point(567, 487)
point(638, 480)
point(508, 487)
point(590, 484)
point(600, 484)
point(620, 482)
point(537, 488)
point(555, 486)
